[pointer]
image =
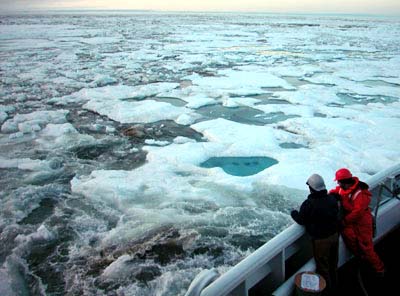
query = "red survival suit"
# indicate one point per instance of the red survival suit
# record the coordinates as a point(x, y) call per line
point(357, 222)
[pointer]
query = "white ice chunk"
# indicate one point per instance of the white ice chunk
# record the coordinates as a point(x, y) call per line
point(118, 268)
point(296, 71)
point(197, 101)
point(156, 143)
point(110, 129)
point(3, 116)
point(103, 80)
point(133, 150)
point(246, 80)
point(9, 127)
point(334, 141)
point(349, 86)
point(100, 40)
point(25, 164)
point(243, 139)
point(136, 112)
point(299, 110)
point(16, 135)
point(7, 108)
point(28, 127)
point(33, 121)
point(116, 92)
point(312, 95)
point(116, 103)
point(63, 136)
point(183, 140)
point(382, 69)
point(187, 118)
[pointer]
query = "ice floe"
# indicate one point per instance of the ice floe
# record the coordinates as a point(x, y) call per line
point(33, 122)
point(63, 136)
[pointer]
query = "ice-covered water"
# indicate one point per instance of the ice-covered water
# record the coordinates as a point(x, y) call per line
point(106, 117)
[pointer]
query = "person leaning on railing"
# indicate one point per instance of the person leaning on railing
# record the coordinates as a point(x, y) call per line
point(319, 213)
point(357, 223)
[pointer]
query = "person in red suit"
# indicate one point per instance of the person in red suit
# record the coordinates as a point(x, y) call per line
point(357, 223)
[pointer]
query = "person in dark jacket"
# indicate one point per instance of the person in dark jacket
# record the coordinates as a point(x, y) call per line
point(319, 213)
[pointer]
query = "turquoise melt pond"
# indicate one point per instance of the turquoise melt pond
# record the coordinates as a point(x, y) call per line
point(240, 166)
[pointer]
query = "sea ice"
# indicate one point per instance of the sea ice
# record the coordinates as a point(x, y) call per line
point(137, 112)
point(3, 116)
point(34, 121)
point(251, 79)
point(25, 164)
point(334, 79)
point(63, 136)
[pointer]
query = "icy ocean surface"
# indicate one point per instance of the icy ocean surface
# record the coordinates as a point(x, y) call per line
point(106, 119)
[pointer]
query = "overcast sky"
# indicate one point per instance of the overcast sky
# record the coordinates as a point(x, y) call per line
point(281, 6)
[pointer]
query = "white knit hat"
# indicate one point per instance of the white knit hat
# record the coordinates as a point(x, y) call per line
point(316, 182)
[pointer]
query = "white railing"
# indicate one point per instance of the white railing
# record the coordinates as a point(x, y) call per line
point(267, 266)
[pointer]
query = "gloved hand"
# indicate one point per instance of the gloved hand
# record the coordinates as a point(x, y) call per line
point(294, 214)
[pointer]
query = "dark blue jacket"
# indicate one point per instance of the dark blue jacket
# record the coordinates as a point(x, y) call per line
point(319, 213)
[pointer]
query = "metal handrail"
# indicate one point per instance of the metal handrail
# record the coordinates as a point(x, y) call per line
point(255, 267)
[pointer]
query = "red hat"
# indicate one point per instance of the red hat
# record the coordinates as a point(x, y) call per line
point(342, 173)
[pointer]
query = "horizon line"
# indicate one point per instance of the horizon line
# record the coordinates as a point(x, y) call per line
point(33, 10)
